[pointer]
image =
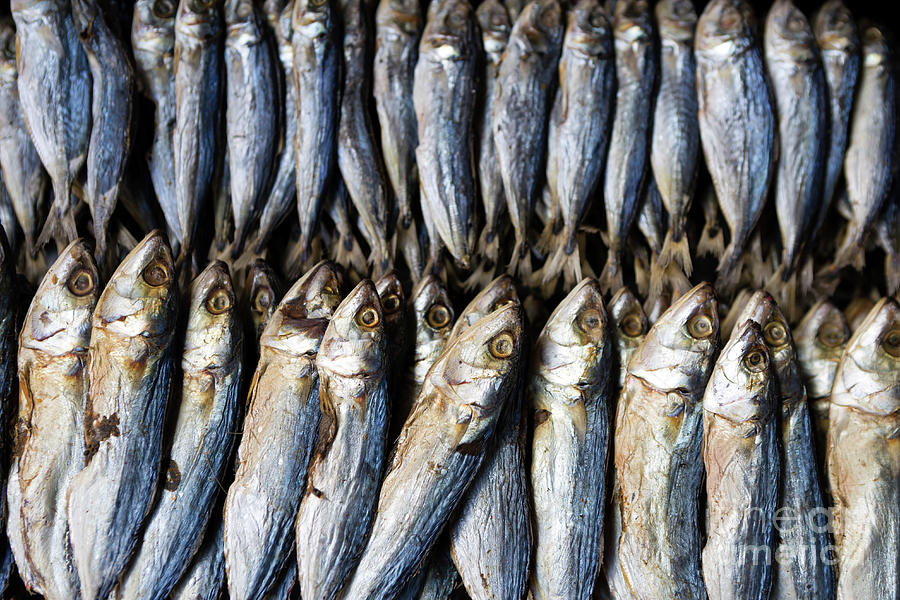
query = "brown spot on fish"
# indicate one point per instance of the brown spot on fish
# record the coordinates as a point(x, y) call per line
point(540, 416)
point(97, 429)
point(173, 476)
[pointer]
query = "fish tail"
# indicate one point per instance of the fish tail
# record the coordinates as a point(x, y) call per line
point(408, 240)
point(676, 251)
point(712, 240)
point(488, 247)
point(60, 223)
point(729, 268)
point(611, 276)
point(549, 238)
point(785, 289)
point(348, 253)
point(520, 263)
point(564, 263)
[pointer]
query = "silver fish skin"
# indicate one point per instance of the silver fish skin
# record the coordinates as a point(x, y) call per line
point(839, 47)
point(358, 153)
point(130, 371)
point(629, 152)
point(432, 316)
point(863, 460)
point(345, 471)
point(284, 584)
point(444, 99)
point(205, 577)
point(798, 82)
point(283, 412)
point(7, 377)
point(453, 421)
point(393, 305)
point(263, 294)
point(112, 98)
point(153, 46)
point(20, 165)
point(651, 221)
point(580, 127)
point(317, 81)
point(282, 195)
point(869, 157)
point(800, 571)
point(739, 144)
point(54, 89)
point(198, 82)
point(8, 220)
point(398, 24)
point(628, 326)
point(53, 387)
point(440, 578)
point(675, 140)
point(495, 24)
point(658, 459)
point(490, 541)
point(568, 389)
point(741, 456)
point(521, 103)
point(251, 98)
point(820, 338)
point(201, 442)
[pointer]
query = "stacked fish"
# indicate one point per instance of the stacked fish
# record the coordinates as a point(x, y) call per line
point(185, 430)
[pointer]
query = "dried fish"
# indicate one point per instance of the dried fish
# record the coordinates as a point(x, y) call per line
point(205, 577)
point(263, 295)
point(628, 325)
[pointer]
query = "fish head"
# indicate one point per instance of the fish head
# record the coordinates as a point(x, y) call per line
point(820, 338)
point(788, 34)
point(8, 70)
point(448, 30)
point(574, 342)
point(677, 20)
point(589, 30)
point(725, 28)
point(299, 322)
point(477, 371)
point(540, 26)
point(273, 10)
point(199, 18)
point(876, 50)
point(678, 350)
point(432, 314)
point(633, 21)
point(393, 304)
point(141, 297)
point(741, 385)
point(493, 20)
point(153, 27)
point(868, 377)
point(213, 336)
point(628, 325)
point(857, 311)
point(262, 294)
point(59, 319)
point(354, 344)
point(499, 292)
point(398, 19)
point(312, 18)
point(835, 28)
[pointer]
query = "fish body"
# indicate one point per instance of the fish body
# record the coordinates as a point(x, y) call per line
point(453, 421)
point(398, 24)
point(580, 126)
point(283, 412)
point(263, 294)
point(568, 391)
point(839, 47)
point(444, 98)
point(863, 462)
point(54, 89)
point(251, 119)
point(738, 143)
point(205, 577)
point(112, 98)
point(345, 471)
point(317, 91)
point(20, 164)
point(129, 373)
point(800, 571)
point(522, 101)
point(7, 378)
point(741, 456)
point(629, 152)
point(53, 390)
point(675, 140)
point(153, 46)
point(198, 82)
point(201, 442)
point(658, 459)
point(393, 305)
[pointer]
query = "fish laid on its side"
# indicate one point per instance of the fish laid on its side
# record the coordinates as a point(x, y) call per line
point(130, 371)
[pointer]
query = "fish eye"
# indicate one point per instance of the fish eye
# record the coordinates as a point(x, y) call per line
point(164, 9)
point(590, 319)
point(391, 303)
point(367, 316)
point(597, 20)
point(498, 21)
point(832, 335)
point(156, 274)
point(756, 361)
point(219, 301)
point(81, 282)
point(457, 18)
point(500, 304)
point(796, 22)
point(329, 289)
point(730, 18)
point(263, 300)
point(631, 325)
point(700, 327)
point(438, 316)
point(502, 345)
point(776, 334)
point(891, 342)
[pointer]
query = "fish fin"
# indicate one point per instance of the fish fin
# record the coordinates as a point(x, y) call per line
point(643, 266)
point(611, 276)
point(712, 240)
point(549, 237)
point(567, 264)
point(59, 226)
point(729, 269)
point(520, 263)
point(678, 252)
point(408, 240)
point(348, 253)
